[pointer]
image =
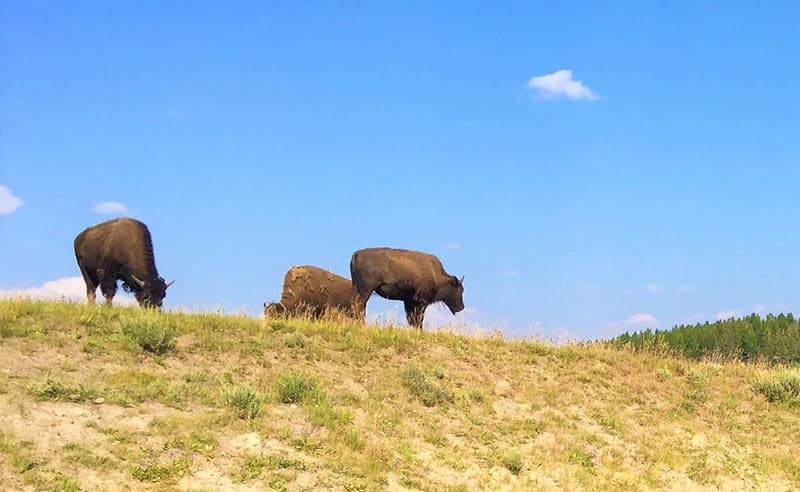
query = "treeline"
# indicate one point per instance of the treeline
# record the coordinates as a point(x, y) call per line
point(773, 339)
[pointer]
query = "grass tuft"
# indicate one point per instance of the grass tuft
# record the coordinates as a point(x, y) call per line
point(151, 330)
point(427, 385)
point(51, 388)
point(254, 465)
point(160, 472)
point(295, 339)
point(296, 387)
point(513, 462)
point(247, 401)
point(779, 386)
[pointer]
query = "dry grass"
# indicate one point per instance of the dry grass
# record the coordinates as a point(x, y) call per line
point(298, 404)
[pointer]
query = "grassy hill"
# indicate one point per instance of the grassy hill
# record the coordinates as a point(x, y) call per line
point(217, 402)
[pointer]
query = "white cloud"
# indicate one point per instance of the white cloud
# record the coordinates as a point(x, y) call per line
point(384, 312)
point(640, 319)
point(110, 208)
point(759, 309)
point(635, 321)
point(654, 288)
point(558, 335)
point(63, 289)
point(8, 202)
point(560, 84)
point(731, 313)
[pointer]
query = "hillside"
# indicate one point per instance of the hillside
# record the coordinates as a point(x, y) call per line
point(238, 403)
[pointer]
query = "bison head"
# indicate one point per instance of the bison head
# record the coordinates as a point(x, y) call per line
point(274, 310)
point(151, 293)
point(453, 294)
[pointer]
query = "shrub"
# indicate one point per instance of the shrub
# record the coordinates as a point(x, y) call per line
point(696, 394)
point(779, 386)
point(295, 339)
point(160, 472)
point(151, 331)
point(296, 387)
point(51, 388)
point(426, 385)
point(244, 399)
point(581, 457)
point(513, 462)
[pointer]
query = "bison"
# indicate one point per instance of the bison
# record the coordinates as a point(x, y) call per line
point(120, 249)
point(418, 279)
point(312, 291)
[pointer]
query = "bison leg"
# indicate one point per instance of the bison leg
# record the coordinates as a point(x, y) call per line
point(108, 286)
point(91, 286)
point(359, 307)
point(415, 313)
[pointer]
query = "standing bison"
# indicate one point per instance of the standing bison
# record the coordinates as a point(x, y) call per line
point(120, 249)
point(312, 291)
point(418, 279)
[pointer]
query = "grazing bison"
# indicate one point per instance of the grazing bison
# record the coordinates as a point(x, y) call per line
point(120, 249)
point(312, 291)
point(418, 279)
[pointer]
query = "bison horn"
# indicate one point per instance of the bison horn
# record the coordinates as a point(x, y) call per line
point(140, 283)
point(169, 283)
point(461, 280)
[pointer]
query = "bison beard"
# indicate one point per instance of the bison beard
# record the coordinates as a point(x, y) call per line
point(120, 249)
point(418, 279)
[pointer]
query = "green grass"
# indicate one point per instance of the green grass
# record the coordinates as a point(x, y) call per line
point(82, 455)
point(254, 465)
point(427, 385)
point(295, 339)
point(246, 401)
point(161, 472)
point(581, 457)
point(296, 387)
point(781, 385)
point(17, 453)
point(150, 330)
point(51, 388)
point(513, 462)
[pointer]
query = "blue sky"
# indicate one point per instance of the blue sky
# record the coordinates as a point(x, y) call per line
point(654, 184)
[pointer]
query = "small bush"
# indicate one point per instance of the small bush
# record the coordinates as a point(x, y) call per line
point(581, 457)
point(254, 465)
point(513, 462)
point(296, 387)
point(295, 339)
point(150, 330)
point(426, 385)
point(244, 399)
point(477, 395)
point(52, 388)
point(779, 386)
point(78, 453)
point(160, 472)
point(663, 373)
point(696, 394)
point(354, 440)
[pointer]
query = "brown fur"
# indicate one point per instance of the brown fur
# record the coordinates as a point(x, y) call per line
point(418, 279)
point(313, 291)
point(119, 249)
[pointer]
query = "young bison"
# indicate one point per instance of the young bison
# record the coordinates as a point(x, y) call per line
point(310, 290)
